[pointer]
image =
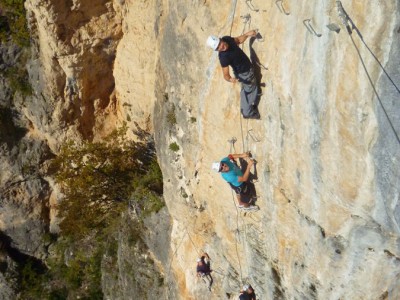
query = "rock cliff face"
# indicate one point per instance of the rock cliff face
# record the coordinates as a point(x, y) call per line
point(327, 148)
point(327, 144)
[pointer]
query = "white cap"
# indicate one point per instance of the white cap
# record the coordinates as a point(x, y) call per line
point(215, 166)
point(199, 260)
point(213, 42)
point(246, 287)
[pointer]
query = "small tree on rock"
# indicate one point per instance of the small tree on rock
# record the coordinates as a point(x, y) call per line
point(98, 178)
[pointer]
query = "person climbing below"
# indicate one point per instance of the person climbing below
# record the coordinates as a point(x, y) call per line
point(231, 55)
point(238, 181)
point(203, 269)
point(247, 293)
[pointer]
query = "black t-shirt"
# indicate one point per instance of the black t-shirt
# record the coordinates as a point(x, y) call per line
point(204, 268)
point(234, 57)
point(244, 296)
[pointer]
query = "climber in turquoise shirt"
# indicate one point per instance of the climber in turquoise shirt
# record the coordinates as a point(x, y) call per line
point(232, 174)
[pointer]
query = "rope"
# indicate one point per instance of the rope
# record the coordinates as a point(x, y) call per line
point(346, 20)
point(173, 255)
point(190, 238)
point(247, 22)
point(200, 252)
point(233, 17)
point(344, 14)
point(237, 218)
point(376, 93)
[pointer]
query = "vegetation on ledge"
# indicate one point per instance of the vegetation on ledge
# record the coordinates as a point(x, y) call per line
point(107, 185)
point(14, 33)
point(13, 22)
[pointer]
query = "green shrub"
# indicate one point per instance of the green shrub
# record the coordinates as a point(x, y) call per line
point(174, 147)
point(58, 294)
point(19, 80)
point(98, 180)
point(13, 22)
point(73, 273)
point(171, 116)
point(31, 280)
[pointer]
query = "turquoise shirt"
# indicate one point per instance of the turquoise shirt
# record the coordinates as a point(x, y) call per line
point(234, 172)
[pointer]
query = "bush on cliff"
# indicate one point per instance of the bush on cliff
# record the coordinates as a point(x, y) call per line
point(13, 22)
point(98, 179)
point(14, 31)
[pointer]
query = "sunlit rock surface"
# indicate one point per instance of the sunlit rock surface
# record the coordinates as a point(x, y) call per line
point(327, 144)
point(328, 158)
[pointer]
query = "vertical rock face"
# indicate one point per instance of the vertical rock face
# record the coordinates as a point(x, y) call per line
point(76, 47)
point(23, 191)
point(328, 154)
point(327, 144)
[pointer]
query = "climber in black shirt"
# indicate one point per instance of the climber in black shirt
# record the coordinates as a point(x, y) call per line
point(203, 269)
point(230, 54)
point(247, 293)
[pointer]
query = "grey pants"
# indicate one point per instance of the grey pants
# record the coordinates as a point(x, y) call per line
point(248, 94)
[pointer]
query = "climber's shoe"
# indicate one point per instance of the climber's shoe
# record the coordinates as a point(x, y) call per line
point(249, 208)
point(255, 116)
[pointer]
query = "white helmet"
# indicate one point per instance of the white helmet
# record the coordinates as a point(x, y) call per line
point(213, 42)
point(216, 166)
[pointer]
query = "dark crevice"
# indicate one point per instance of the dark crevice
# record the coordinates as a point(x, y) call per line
point(20, 258)
point(278, 294)
point(10, 133)
point(391, 255)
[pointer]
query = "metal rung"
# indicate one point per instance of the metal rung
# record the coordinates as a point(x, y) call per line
point(281, 8)
point(251, 6)
point(310, 28)
point(253, 137)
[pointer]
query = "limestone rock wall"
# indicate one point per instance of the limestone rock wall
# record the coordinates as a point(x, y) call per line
point(75, 46)
point(327, 155)
point(23, 191)
point(327, 143)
